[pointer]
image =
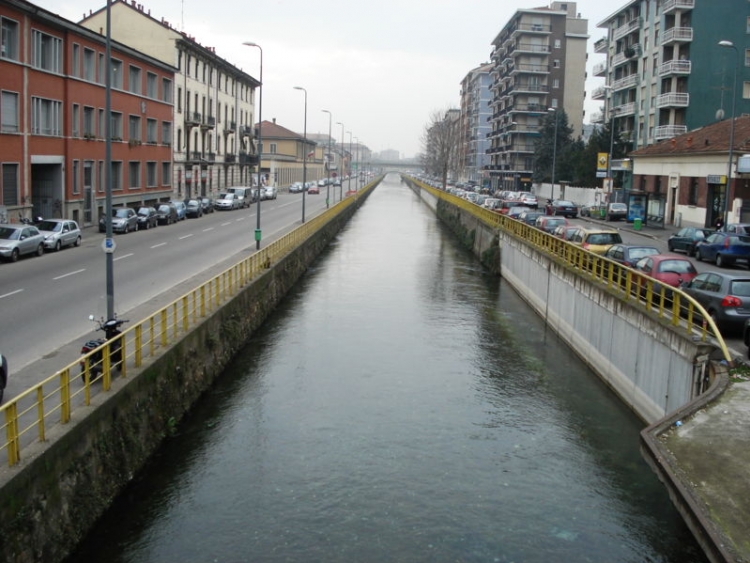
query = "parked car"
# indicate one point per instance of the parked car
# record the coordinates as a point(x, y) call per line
point(226, 202)
point(507, 204)
point(166, 214)
point(270, 192)
point(737, 228)
point(597, 241)
point(193, 208)
point(670, 269)
point(616, 211)
point(629, 254)
point(528, 199)
point(549, 224)
point(530, 216)
point(20, 239)
point(565, 231)
point(591, 210)
point(313, 190)
point(181, 209)
point(492, 203)
point(207, 204)
point(686, 238)
point(323, 182)
point(3, 375)
point(725, 296)
point(124, 220)
point(724, 249)
point(296, 187)
point(59, 232)
point(146, 218)
point(515, 211)
point(562, 207)
point(244, 196)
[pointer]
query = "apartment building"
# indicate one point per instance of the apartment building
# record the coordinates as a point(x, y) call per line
point(665, 72)
point(52, 119)
point(214, 139)
point(538, 63)
point(475, 125)
point(286, 153)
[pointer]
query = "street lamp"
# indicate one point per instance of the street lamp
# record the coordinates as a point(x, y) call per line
point(730, 45)
point(351, 168)
point(260, 140)
point(304, 154)
point(328, 158)
point(356, 160)
point(554, 151)
point(342, 154)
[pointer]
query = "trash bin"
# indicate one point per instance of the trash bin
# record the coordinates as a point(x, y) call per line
point(637, 223)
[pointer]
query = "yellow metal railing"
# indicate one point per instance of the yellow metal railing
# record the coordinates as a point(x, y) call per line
point(27, 417)
point(670, 304)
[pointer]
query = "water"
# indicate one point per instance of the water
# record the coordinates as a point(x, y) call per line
point(400, 406)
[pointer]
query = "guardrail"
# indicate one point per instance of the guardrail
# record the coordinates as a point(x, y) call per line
point(27, 417)
point(670, 304)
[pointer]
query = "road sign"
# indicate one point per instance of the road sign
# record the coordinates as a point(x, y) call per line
point(109, 245)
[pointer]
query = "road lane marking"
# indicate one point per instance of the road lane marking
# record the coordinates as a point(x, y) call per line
point(69, 274)
point(185, 236)
point(209, 229)
point(11, 293)
point(158, 245)
point(227, 223)
point(124, 256)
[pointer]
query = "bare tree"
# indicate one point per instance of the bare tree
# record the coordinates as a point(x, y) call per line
point(440, 154)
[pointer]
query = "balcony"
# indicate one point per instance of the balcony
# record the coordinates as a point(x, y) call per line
point(625, 109)
point(531, 88)
point(525, 68)
point(675, 67)
point(677, 35)
point(246, 131)
point(626, 29)
point(530, 48)
point(673, 99)
point(230, 127)
point(209, 122)
point(627, 82)
point(194, 156)
point(531, 28)
point(672, 5)
point(193, 118)
point(210, 157)
point(599, 93)
point(229, 158)
point(601, 45)
point(600, 69)
point(248, 159)
point(669, 131)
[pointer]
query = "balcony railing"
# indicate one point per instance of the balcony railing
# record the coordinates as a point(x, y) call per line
point(673, 99)
point(627, 28)
point(600, 69)
point(669, 131)
point(230, 158)
point(601, 45)
point(209, 122)
point(675, 67)
point(599, 93)
point(671, 5)
point(625, 109)
point(677, 34)
point(193, 118)
point(246, 131)
point(626, 82)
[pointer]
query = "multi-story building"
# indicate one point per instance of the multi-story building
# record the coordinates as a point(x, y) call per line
point(665, 72)
point(538, 63)
point(286, 153)
point(475, 125)
point(214, 137)
point(52, 119)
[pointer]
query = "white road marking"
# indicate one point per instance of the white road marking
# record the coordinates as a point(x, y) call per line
point(123, 256)
point(11, 293)
point(185, 236)
point(158, 245)
point(69, 274)
point(209, 229)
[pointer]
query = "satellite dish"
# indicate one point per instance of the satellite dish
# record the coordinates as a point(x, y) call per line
point(719, 114)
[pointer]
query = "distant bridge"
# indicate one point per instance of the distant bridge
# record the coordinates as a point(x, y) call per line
point(396, 165)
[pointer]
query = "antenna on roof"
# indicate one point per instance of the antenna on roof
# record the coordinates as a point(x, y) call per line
point(182, 15)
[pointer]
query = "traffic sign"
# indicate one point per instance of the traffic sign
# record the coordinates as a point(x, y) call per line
point(109, 245)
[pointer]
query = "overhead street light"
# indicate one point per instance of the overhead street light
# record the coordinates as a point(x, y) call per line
point(260, 139)
point(554, 151)
point(304, 154)
point(730, 45)
point(342, 155)
point(328, 159)
point(351, 168)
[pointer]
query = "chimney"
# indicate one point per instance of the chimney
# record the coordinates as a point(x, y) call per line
point(274, 121)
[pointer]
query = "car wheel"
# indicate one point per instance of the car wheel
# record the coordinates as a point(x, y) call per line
point(698, 255)
point(78, 241)
point(14, 255)
point(720, 262)
point(40, 249)
point(58, 245)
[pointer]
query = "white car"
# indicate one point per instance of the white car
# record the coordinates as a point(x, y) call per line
point(59, 232)
point(227, 202)
point(270, 192)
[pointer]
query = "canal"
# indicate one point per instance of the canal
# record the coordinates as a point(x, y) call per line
point(402, 405)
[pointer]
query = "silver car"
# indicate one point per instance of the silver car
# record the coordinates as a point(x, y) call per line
point(16, 240)
point(226, 201)
point(59, 232)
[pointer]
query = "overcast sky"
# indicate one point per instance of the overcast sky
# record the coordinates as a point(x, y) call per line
point(381, 67)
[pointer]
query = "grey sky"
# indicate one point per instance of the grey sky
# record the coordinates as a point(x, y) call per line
point(380, 67)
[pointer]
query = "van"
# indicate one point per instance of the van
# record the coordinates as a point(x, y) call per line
point(244, 196)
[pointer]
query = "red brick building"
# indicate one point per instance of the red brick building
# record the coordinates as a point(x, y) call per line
point(52, 119)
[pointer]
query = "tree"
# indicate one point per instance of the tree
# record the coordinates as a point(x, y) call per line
point(551, 148)
point(440, 144)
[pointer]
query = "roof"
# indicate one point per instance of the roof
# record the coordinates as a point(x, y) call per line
point(271, 130)
point(711, 139)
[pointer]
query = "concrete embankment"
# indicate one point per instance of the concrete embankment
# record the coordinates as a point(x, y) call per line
point(50, 500)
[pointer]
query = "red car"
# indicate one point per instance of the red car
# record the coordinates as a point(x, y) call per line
point(313, 190)
point(670, 269)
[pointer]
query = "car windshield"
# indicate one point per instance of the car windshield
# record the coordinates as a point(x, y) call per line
point(566, 203)
point(226, 196)
point(676, 267)
point(143, 211)
point(604, 238)
point(638, 253)
point(9, 233)
point(193, 203)
point(122, 212)
point(618, 207)
point(53, 226)
point(164, 209)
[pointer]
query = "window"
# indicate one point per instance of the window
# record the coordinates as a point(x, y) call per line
point(693, 192)
point(116, 126)
point(10, 184)
point(272, 148)
point(46, 117)
point(166, 133)
point(166, 90)
point(746, 90)
point(88, 174)
point(151, 181)
point(88, 122)
point(558, 44)
point(556, 83)
point(9, 45)
point(116, 176)
point(134, 174)
point(151, 131)
point(179, 100)
point(152, 86)
point(102, 124)
point(75, 119)
point(75, 68)
point(89, 65)
point(116, 74)
point(9, 112)
point(75, 181)
point(747, 25)
point(134, 128)
point(166, 173)
point(102, 70)
point(747, 57)
point(134, 80)
point(179, 140)
point(100, 176)
point(46, 51)
point(556, 63)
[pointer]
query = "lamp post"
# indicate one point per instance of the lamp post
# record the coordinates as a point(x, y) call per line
point(109, 241)
point(730, 45)
point(359, 172)
point(554, 152)
point(304, 153)
point(351, 168)
point(260, 140)
point(328, 158)
point(342, 154)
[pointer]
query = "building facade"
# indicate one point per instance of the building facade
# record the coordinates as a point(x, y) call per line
point(52, 119)
point(665, 72)
point(538, 63)
point(287, 155)
point(214, 140)
point(475, 124)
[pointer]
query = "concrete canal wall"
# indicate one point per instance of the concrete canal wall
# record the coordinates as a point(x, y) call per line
point(654, 368)
point(50, 501)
